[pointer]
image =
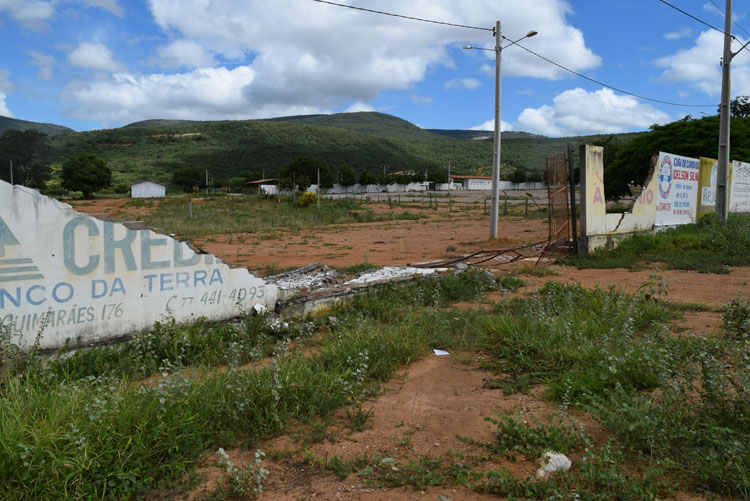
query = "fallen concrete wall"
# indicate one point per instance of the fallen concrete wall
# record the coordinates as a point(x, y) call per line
point(77, 279)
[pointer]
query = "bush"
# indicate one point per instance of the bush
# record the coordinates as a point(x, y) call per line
point(307, 198)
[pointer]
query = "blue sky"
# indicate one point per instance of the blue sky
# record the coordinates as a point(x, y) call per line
point(92, 64)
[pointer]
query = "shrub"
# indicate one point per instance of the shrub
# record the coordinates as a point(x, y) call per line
point(307, 198)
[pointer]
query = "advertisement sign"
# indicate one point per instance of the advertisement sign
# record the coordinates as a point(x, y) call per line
point(72, 278)
point(707, 186)
point(677, 189)
point(739, 192)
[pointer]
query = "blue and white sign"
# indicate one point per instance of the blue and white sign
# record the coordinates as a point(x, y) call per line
point(79, 279)
point(678, 189)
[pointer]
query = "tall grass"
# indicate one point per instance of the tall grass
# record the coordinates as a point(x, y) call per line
point(87, 426)
point(81, 426)
point(708, 246)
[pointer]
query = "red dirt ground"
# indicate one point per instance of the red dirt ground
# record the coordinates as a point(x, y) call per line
point(430, 402)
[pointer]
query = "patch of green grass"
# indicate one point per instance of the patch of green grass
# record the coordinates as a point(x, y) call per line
point(255, 215)
point(707, 246)
point(535, 271)
point(82, 426)
point(679, 409)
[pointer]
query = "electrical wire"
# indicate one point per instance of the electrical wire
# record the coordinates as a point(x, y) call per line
point(696, 18)
point(735, 22)
point(532, 52)
point(598, 82)
point(404, 17)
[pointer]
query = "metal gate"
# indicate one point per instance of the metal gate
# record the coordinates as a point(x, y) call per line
point(560, 232)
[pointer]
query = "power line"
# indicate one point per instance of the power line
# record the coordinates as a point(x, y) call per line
point(611, 86)
point(530, 51)
point(735, 22)
point(696, 18)
point(404, 17)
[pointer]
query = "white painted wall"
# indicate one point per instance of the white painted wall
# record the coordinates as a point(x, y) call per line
point(147, 189)
point(97, 280)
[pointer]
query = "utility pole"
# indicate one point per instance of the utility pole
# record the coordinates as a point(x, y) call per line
point(722, 174)
point(496, 153)
point(11, 172)
point(318, 190)
point(206, 181)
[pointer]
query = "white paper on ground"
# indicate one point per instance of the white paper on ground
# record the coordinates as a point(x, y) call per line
point(440, 353)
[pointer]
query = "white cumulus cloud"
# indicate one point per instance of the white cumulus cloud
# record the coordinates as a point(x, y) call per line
point(202, 94)
point(676, 35)
point(32, 14)
point(5, 84)
point(307, 55)
point(357, 107)
point(95, 56)
point(490, 125)
point(110, 5)
point(698, 66)
point(462, 83)
point(185, 53)
point(577, 111)
point(4, 111)
point(44, 62)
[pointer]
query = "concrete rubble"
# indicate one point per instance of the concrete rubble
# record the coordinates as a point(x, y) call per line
point(314, 287)
point(390, 273)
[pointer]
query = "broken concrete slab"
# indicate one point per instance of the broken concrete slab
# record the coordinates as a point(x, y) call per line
point(71, 278)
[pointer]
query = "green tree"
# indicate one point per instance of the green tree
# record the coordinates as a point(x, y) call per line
point(307, 167)
point(689, 137)
point(518, 176)
point(187, 177)
point(348, 177)
point(29, 151)
point(366, 178)
point(738, 107)
point(86, 173)
point(437, 176)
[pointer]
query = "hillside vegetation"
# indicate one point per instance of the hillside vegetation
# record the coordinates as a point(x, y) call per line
point(7, 123)
point(687, 137)
point(235, 150)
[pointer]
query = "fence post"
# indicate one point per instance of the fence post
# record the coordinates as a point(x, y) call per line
point(572, 183)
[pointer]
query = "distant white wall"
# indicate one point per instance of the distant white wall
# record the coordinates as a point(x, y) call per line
point(147, 189)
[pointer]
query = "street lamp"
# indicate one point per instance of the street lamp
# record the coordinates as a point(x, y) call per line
point(496, 154)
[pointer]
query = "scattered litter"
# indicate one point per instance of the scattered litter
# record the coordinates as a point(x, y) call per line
point(333, 321)
point(551, 462)
point(259, 309)
point(389, 273)
point(440, 353)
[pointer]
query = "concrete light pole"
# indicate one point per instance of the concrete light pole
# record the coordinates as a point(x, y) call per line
point(495, 208)
point(722, 173)
point(496, 152)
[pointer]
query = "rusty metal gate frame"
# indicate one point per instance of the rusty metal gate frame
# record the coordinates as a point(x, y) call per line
point(559, 240)
point(557, 244)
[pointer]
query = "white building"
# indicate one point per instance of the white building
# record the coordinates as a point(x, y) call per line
point(473, 182)
point(148, 189)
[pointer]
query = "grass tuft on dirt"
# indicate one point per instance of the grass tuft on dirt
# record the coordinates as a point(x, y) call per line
point(707, 246)
point(87, 425)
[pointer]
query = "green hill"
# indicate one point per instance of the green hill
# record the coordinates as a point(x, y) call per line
point(365, 141)
point(49, 129)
